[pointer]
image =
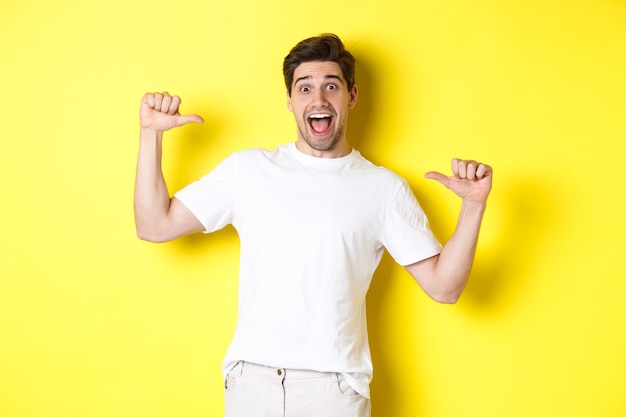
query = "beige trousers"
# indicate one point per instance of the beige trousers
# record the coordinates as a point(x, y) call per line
point(259, 391)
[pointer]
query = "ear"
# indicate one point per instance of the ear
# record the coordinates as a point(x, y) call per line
point(289, 101)
point(354, 94)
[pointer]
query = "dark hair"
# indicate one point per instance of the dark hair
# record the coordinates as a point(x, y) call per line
point(325, 47)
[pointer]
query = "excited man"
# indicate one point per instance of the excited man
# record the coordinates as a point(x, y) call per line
point(313, 218)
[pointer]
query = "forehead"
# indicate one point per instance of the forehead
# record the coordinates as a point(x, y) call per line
point(317, 69)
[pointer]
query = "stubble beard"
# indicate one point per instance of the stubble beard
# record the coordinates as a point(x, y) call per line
point(321, 144)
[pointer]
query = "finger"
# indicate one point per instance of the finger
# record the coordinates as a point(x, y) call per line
point(148, 99)
point(455, 167)
point(189, 118)
point(165, 103)
point(483, 170)
point(462, 169)
point(438, 176)
point(158, 99)
point(174, 105)
point(471, 167)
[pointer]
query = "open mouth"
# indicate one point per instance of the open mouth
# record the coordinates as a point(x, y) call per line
point(320, 123)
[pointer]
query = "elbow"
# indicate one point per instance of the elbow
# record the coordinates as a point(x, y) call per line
point(446, 297)
point(145, 237)
point(150, 236)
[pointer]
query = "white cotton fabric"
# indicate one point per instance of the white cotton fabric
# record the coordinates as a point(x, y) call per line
point(312, 232)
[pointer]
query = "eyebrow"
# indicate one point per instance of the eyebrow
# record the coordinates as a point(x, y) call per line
point(326, 77)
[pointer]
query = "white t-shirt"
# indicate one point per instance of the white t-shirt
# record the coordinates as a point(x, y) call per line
point(312, 232)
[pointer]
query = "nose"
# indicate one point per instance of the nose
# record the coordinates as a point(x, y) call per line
point(319, 97)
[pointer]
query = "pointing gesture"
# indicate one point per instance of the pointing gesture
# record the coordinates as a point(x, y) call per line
point(160, 112)
point(470, 180)
point(159, 217)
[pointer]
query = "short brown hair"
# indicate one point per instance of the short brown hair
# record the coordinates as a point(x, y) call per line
point(325, 47)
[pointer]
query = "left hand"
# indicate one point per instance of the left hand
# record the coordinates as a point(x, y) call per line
point(470, 180)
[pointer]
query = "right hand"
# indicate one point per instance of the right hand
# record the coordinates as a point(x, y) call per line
point(470, 180)
point(160, 112)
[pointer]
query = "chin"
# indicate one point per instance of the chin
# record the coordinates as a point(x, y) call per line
point(321, 144)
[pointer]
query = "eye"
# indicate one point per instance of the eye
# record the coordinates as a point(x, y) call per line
point(304, 89)
point(331, 86)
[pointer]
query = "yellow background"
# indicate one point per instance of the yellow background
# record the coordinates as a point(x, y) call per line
point(94, 322)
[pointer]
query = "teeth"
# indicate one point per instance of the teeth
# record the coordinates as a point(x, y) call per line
point(319, 116)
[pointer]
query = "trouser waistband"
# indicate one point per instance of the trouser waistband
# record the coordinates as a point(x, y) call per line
point(243, 367)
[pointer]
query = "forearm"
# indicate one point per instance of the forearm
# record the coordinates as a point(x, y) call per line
point(457, 256)
point(152, 200)
point(443, 277)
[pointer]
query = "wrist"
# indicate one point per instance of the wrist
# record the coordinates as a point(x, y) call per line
point(473, 205)
point(150, 134)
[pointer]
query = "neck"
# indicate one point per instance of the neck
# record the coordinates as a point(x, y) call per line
point(341, 149)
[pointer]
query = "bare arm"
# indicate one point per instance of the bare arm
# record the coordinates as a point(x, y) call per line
point(159, 218)
point(443, 277)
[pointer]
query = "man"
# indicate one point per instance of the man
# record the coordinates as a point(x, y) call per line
point(313, 218)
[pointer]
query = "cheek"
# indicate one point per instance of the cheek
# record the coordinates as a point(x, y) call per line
point(295, 107)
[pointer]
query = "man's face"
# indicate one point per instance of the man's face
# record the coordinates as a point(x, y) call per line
point(320, 101)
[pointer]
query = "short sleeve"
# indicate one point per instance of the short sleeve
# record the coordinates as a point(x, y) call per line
point(406, 233)
point(211, 199)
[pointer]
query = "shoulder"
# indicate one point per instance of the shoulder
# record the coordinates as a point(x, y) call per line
point(383, 174)
point(252, 154)
point(244, 158)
